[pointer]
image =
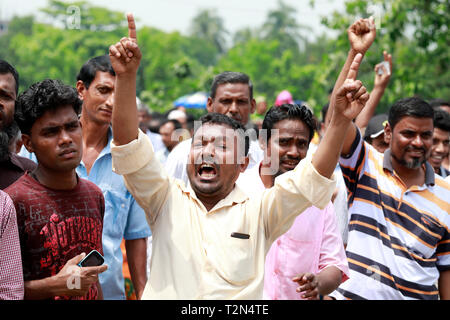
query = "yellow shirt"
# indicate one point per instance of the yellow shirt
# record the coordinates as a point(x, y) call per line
point(193, 253)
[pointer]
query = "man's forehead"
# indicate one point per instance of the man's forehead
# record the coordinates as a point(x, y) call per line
point(214, 130)
point(233, 89)
point(105, 78)
point(8, 83)
point(415, 123)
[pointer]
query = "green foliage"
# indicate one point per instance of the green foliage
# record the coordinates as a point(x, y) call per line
point(415, 32)
point(275, 54)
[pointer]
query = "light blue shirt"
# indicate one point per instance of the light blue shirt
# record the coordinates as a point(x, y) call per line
point(124, 218)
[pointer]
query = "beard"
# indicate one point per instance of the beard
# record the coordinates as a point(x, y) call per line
point(6, 136)
point(414, 163)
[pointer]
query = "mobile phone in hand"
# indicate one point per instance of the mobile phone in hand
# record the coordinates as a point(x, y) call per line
point(384, 66)
point(93, 259)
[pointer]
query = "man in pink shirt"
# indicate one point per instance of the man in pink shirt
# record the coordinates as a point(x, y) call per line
point(309, 260)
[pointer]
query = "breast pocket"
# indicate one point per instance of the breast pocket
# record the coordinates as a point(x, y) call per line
point(116, 213)
point(234, 260)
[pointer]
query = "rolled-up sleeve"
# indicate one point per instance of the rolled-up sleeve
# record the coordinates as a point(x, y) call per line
point(143, 174)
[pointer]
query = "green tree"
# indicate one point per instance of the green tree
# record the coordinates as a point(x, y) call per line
point(84, 16)
point(208, 25)
point(415, 33)
point(281, 24)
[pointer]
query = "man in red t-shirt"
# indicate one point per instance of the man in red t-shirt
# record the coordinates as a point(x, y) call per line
point(60, 216)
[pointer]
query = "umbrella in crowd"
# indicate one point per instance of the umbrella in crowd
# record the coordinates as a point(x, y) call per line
point(195, 100)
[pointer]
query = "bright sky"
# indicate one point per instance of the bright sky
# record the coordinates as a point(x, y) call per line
point(176, 15)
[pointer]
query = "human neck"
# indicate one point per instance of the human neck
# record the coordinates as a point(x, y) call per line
point(267, 180)
point(64, 180)
point(410, 177)
point(94, 134)
point(210, 200)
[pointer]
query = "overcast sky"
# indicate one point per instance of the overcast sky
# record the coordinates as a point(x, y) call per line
point(176, 15)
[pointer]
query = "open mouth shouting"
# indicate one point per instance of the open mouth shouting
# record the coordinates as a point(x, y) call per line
point(207, 171)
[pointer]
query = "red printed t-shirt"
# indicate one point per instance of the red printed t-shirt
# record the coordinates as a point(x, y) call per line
point(55, 226)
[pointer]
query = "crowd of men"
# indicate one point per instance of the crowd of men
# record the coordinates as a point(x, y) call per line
point(354, 207)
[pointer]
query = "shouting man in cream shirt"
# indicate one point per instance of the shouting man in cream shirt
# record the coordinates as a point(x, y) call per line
point(209, 239)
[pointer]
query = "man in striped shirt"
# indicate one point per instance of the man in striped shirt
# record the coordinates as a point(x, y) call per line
point(399, 243)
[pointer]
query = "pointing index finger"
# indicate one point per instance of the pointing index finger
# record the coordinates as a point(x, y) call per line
point(131, 27)
point(353, 72)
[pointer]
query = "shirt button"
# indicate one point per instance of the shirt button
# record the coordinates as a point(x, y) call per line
point(123, 205)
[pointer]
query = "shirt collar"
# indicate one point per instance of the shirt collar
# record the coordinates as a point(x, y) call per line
point(429, 171)
point(234, 197)
point(107, 148)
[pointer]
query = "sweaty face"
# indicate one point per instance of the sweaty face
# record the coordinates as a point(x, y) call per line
point(440, 148)
point(98, 99)
point(233, 100)
point(215, 161)
point(7, 99)
point(56, 140)
point(288, 145)
point(410, 141)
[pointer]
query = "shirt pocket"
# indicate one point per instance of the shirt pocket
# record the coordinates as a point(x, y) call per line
point(236, 262)
point(296, 256)
point(116, 213)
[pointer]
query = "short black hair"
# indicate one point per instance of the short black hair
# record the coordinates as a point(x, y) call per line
point(409, 107)
point(291, 112)
point(436, 103)
point(89, 70)
point(42, 97)
point(176, 124)
point(442, 120)
point(6, 68)
point(221, 119)
point(230, 77)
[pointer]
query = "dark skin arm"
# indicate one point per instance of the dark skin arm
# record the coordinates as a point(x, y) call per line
point(444, 285)
point(137, 262)
point(312, 285)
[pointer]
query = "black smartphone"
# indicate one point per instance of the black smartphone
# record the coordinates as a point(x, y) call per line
point(93, 259)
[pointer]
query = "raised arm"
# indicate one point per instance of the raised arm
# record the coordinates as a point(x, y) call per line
point(348, 101)
point(125, 59)
point(381, 82)
point(361, 35)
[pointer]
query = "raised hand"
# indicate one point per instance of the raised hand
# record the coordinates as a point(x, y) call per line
point(382, 79)
point(125, 55)
point(352, 96)
point(361, 34)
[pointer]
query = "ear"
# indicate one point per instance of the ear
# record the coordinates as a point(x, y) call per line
point(262, 142)
point(209, 105)
point(26, 140)
point(243, 166)
point(81, 88)
point(253, 106)
point(387, 134)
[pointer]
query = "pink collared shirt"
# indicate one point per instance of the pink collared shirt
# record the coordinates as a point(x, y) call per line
point(11, 275)
point(312, 244)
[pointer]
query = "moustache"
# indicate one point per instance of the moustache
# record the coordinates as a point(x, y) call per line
point(412, 148)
